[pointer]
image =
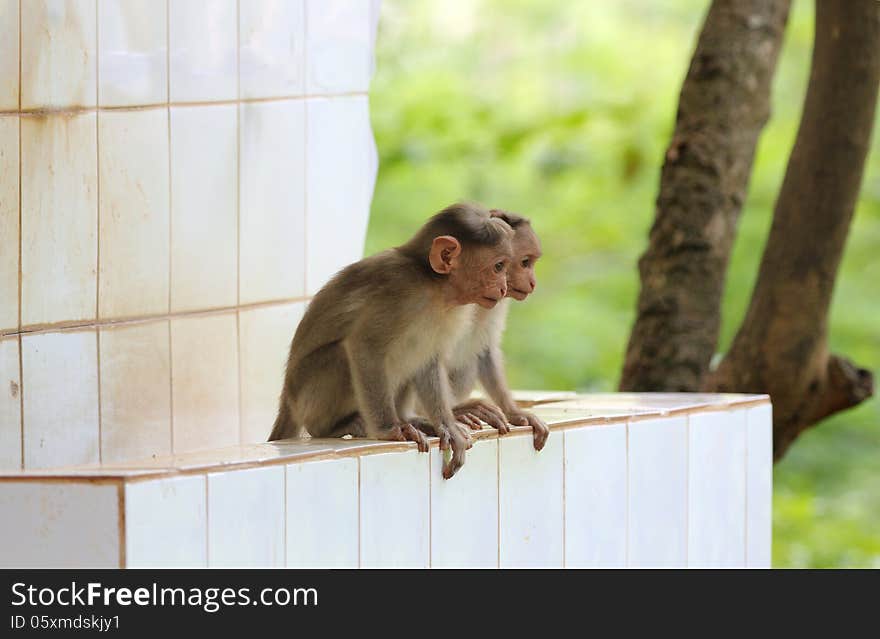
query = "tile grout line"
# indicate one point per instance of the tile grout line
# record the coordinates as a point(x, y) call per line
point(746, 414)
point(73, 325)
point(498, 503)
point(626, 505)
point(564, 503)
point(305, 151)
point(98, 236)
point(284, 516)
point(170, 225)
point(120, 494)
point(430, 509)
point(20, 271)
point(238, 147)
point(360, 526)
point(43, 112)
point(207, 523)
point(687, 488)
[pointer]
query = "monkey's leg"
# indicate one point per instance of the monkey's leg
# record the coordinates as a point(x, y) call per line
point(493, 380)
point(432, 387)
point(353, 425)
point(375, 399)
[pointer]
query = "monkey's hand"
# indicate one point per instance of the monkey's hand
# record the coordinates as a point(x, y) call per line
point(470, 413)
point(540, 430)
point(405, 432)
point(453, 436)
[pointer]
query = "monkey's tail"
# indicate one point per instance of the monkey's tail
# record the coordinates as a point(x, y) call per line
point(285, 427)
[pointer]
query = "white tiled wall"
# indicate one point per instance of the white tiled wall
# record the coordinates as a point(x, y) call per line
point(658, 492)
point(183, 167)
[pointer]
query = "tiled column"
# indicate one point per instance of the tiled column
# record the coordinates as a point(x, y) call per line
point(173, 176)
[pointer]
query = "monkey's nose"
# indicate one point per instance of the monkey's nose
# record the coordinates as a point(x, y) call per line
point(533, 283)
point(503, 290)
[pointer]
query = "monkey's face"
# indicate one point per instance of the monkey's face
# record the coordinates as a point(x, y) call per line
point(481, 276)
point(521, 280)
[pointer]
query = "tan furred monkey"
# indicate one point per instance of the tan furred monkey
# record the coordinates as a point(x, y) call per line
point(385, 324)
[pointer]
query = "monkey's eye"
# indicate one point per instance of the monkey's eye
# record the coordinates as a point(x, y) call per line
point(499, 267)
point(525, 263)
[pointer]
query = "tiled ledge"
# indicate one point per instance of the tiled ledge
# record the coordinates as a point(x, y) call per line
point(665, 479)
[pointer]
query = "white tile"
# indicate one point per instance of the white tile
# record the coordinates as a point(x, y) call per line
point(135, 391)
point(339, 53)
point(322, 514)
point(134, 220)
point(530, 503)
point(204, 194)
point(204, 382)
point(203, 57)
point(394, 512)
point(341, 157)
point(265, 335)
point(9, 190)
point(59, 210)
point(246, 518)
point(166, 523)
point(717, 489)
point(9, 47)
point(132, 52)
point(595, 497)
point(272, 48)
point(273, 198)
point(759, 486)
point(464, 510)
point(59, 525)
point(58, 53)
point(657, 509)
point(10, 405)
point(60, 399)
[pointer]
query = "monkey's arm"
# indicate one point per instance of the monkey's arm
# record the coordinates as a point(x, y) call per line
point(374, 396)
point(431, 385)
point(491, 374)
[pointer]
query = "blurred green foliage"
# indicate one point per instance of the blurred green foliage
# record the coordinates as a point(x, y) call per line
point(562, 111)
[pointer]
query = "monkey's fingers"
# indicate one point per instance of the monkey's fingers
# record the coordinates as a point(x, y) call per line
point(413, 434)
point(540, 431)
point(495, 421)
point(519, 420)
point(468, 419)
point(459, 446)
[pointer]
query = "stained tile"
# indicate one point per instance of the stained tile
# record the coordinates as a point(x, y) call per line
point(204, 194)
point(265, 335)
point(60, 399)
point(246, 518)
point(272, 215)
point(717, 489)
point(58, 53)
point(59, 525)
point(464, 510)
point(9, 47)
point(10, 405)
point(9, 193)
point(530, 502)
point(759, 486)
point(339, 53)
point(657, 508)
point(341, 159)
point(59, 209)
point(204, 382)
point(203, 58)
point(272, 48)
point(322, 514)
point(595, 497)
point(394, 493)
point(166, 523)
point(135, 391)
point(133, 52)
point(134, 221)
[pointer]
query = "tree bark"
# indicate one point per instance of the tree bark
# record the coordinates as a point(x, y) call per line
point(782, 345)
point(723, 106)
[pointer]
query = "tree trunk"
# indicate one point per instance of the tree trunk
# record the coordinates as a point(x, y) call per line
point(782, 346)
point(723, 106)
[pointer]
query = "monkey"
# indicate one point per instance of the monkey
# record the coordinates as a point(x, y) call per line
point(477, 355)
point(383, 325)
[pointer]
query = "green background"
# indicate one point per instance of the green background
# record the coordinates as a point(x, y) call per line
point(562, 111)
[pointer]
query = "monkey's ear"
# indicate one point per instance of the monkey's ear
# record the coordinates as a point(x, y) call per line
point(444, 251)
